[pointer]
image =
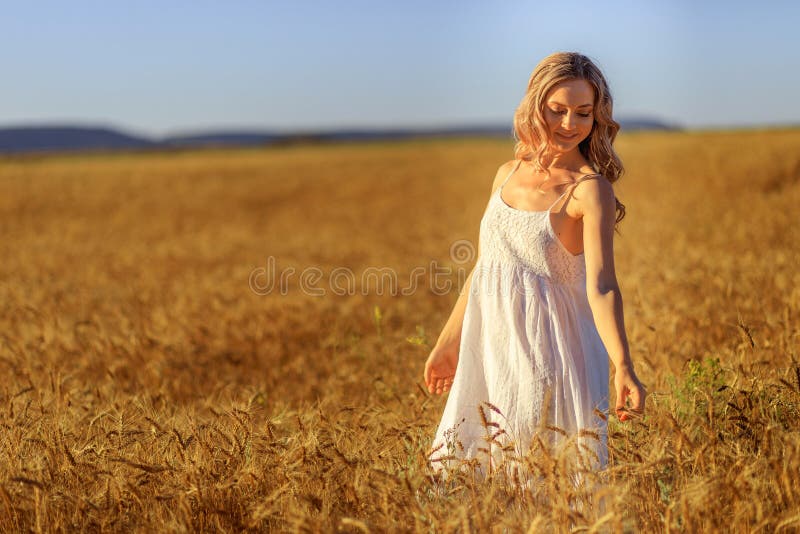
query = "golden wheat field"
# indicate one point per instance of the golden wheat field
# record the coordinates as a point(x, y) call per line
point(150, 382)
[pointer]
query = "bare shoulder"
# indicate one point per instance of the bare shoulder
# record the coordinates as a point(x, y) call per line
point(594, 194)
point(502, 173)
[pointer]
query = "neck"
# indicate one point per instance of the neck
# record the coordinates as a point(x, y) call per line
point(571, 160)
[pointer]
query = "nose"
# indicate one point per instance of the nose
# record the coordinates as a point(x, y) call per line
point(568, 123)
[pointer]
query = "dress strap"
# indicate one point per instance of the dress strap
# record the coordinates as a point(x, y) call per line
point(559, 198)
point(568, 189)
point(509, 174)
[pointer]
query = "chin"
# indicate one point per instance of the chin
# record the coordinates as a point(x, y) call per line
point(564, 143)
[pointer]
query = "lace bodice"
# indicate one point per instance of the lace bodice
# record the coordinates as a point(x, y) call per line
point(526, 239)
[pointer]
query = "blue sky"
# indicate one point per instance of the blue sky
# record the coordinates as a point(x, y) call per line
point(156, 68)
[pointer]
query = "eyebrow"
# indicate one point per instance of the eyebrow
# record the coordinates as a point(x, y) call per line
point(565, 106)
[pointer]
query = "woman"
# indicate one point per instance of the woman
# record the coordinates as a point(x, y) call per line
point(528, 342)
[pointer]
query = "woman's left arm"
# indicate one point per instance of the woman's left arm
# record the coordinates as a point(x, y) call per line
point(598, 206)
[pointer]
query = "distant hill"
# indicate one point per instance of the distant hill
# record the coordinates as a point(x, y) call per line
point(222, 138)
point(72, 137)
point(57, 138)
point(259, 138)
point(645, 123)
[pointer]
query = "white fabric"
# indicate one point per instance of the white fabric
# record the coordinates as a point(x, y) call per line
point(527, 327)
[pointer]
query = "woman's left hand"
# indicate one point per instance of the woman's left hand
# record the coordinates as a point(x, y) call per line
point(630, 388)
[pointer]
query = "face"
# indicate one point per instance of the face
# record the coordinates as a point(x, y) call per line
point(569, 114)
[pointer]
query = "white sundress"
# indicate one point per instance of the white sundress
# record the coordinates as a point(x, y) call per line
point(527, 328)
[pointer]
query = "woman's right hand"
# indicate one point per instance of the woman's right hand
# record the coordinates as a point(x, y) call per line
point(440, 368)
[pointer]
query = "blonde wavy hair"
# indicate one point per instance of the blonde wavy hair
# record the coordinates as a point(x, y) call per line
point(530, 130)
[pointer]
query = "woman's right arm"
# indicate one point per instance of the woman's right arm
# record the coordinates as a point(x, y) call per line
point(451, 333)
point(440, 368)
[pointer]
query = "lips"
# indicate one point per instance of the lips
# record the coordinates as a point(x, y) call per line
point(573, 136)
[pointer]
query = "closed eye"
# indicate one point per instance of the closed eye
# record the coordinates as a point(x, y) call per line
point(561, 112)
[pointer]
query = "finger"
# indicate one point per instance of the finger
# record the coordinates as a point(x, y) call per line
point(433, 378)
point(430, 382)
point(621, 396)
point(439, 385)
point(624, 414)
point(637, 400)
